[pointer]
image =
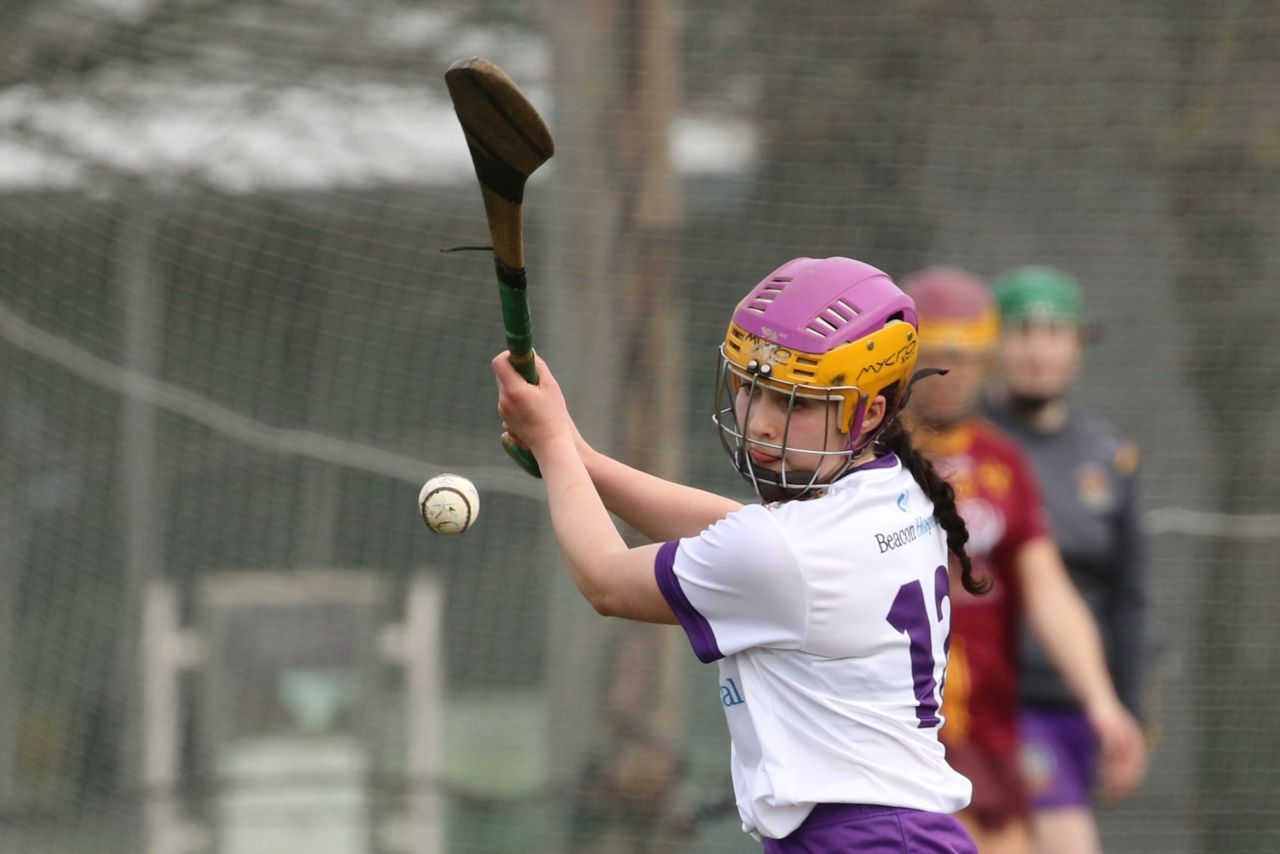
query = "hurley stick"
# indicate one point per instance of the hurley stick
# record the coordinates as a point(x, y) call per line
point(508, 141)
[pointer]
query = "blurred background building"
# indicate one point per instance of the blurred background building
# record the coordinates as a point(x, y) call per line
point(232, 352)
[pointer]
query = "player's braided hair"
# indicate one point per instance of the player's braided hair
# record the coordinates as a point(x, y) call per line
point(897, 439)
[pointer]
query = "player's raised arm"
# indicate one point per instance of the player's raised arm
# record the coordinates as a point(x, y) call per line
point(618, 581)
point(660, 509)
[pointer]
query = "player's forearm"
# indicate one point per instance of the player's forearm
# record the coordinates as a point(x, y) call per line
point(658, 508)
point(588, 538)
point(1069, 635)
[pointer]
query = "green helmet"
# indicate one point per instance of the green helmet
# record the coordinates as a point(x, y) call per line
point(1034, 292)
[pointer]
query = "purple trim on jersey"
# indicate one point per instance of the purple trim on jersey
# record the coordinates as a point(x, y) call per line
point(1058, 755)
point(695, 625)
point(885, 830)
point(886, 462)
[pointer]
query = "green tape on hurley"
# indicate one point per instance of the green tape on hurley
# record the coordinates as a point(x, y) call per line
point(518, 327)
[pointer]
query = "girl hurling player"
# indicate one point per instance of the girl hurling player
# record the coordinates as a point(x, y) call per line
point(827, 606)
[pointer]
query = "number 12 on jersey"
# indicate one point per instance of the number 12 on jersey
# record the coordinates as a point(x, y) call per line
point(910, 615)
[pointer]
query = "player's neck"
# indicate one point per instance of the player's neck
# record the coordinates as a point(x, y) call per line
point(1043, 415)
point(868, 455)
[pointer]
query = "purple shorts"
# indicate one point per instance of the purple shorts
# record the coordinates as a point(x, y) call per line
point(1059, 755)
point(874, 830)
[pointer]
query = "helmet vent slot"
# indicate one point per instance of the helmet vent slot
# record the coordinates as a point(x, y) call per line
point(823, 326)
point(767, 293)
point(833, 318)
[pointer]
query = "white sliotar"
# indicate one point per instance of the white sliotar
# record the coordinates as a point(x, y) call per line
point(449, 504)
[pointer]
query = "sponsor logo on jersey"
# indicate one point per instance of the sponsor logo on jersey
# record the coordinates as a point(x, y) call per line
point(730, 693)
point(890, 540)
point(902, 501)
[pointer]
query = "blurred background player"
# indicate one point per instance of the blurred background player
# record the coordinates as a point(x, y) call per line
point(997, 493)
point(1087, 478)
point(827, 606)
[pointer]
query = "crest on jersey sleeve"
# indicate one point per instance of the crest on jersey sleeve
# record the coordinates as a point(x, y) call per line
point(1094, 488)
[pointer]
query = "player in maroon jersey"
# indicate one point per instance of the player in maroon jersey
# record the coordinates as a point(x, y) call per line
point(997, 494)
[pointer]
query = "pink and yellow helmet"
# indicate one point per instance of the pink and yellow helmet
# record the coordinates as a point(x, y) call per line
point(956, 309)
point(818, 328)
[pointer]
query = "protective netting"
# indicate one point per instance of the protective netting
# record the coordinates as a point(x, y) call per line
point(232, 352)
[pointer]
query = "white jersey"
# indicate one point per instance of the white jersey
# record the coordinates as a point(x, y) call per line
point(831, 621)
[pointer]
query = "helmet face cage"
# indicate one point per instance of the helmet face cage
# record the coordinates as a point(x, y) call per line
point(790, 481)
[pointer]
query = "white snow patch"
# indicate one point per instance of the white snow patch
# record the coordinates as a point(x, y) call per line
point(25, 168)
point(242, 138)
